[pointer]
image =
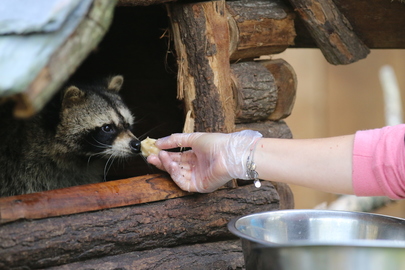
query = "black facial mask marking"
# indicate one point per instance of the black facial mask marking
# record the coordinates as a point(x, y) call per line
point(101, 138)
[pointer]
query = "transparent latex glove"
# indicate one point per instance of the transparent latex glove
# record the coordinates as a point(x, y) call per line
point(213, 160)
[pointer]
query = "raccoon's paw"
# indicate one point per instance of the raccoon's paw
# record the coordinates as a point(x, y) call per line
point(148, 147)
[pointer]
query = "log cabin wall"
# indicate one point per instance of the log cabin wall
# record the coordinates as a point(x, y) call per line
point(146, 222)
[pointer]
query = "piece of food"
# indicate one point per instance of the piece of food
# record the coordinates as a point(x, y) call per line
point(148, 147)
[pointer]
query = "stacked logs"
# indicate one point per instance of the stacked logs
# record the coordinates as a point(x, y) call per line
point(140, 236)
point(223, 86)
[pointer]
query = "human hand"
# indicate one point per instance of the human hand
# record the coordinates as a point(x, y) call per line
point(213, 160)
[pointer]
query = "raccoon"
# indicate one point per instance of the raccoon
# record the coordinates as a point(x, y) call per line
point(70, 142)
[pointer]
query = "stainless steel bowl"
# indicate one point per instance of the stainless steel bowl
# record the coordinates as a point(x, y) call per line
point(318, 239)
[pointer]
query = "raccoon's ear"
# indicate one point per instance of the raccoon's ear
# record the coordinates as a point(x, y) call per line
point(72, 96)
point(115, 83)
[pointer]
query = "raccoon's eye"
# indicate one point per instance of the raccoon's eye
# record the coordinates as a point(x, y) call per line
point(108, 128)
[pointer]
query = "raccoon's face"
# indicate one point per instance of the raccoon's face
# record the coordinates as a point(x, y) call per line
point(95, 122)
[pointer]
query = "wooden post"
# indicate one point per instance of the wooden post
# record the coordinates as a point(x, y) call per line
point(201, 38)
point(331, 31)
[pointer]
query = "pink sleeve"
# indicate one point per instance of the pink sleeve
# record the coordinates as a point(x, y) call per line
point(379, 162)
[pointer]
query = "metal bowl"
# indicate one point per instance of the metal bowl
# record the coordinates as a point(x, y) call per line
point(321, 239)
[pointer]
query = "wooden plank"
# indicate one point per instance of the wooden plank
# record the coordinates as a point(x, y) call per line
point(379, 24)
point(199, 218)
point(91, 197)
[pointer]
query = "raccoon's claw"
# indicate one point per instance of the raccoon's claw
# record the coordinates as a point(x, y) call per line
point(135, 146)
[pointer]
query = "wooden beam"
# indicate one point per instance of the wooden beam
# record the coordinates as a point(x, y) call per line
point(379, 24)
point(331, 31)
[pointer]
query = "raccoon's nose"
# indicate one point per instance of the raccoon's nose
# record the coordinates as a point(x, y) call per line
point(135, 146)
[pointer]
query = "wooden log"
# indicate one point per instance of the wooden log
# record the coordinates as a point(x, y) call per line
point(331, 31)
point(91, 197)
point(217, 255)
point(286, 82)
point(259, 27)
point(201, 38)
point(256, 90)
point(264, 90)
point(192, 219)
point(269, 129)
point(379, 24)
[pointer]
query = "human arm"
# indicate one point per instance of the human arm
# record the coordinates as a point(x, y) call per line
point(369, 163)
point(324, 164)
point(211, 162)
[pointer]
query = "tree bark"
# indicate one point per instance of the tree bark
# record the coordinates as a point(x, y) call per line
point(379, 24)
point(256, 90)
point(259, 28)
point(263, 90)
point(182, 221)
point(331, 31)
point(286, 82)
point(217, 255)
point(201, 38)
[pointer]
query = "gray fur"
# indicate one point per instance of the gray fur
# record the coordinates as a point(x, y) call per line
point(57, 148)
